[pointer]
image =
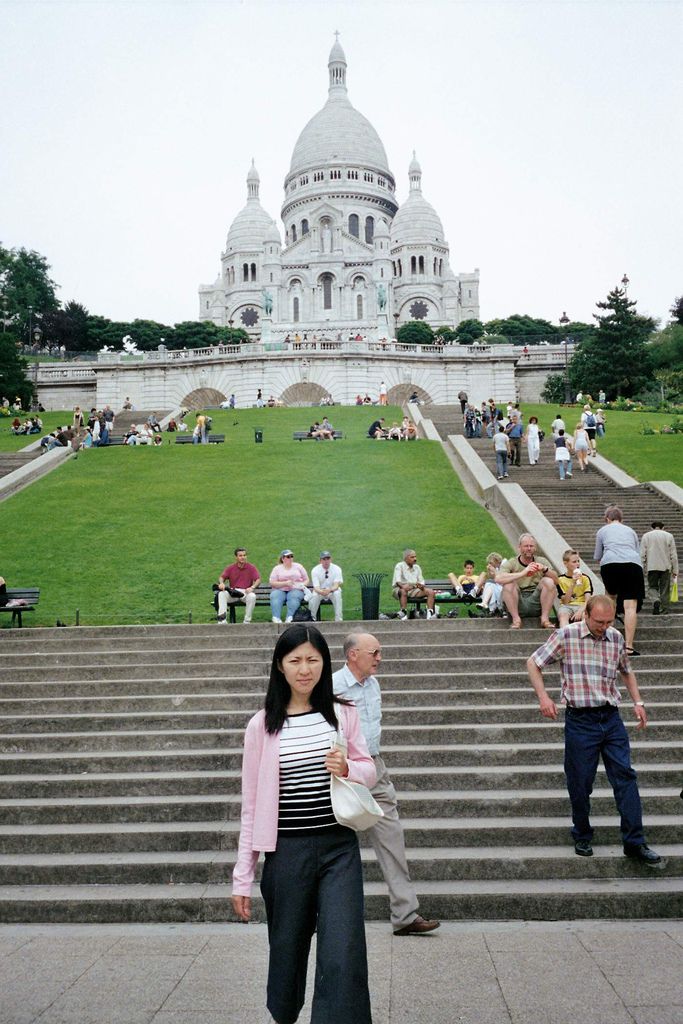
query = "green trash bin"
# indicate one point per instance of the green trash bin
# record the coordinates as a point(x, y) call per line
point(370, 583)
point(258, 435)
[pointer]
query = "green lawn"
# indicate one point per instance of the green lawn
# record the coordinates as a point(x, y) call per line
point(645, 457)
point(10, 442)
point(138, 535)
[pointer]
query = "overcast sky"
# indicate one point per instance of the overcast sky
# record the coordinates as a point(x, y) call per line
point(549, 135)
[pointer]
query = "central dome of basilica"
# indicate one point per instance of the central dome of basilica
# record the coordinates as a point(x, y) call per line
point(338, 133)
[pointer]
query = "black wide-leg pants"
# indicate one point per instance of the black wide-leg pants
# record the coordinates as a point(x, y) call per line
point(308, 883)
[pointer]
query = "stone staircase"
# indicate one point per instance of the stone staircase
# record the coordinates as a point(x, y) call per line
point(9, 461)
point(575, 507)
point(120, 753)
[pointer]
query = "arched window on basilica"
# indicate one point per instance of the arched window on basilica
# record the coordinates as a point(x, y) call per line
point(253, 271)
point(354, 225)
point(245, 271)
point(440, 268)
point(413, 265)
point(295, 309)
point(304, 227)
point(326, 282)
point(422, 264)
point(294, 232)
point(359, 306)
point(369, 229)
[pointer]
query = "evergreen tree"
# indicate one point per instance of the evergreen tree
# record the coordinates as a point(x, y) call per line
point(469, 330)
point(68, 327)
point(616, 358)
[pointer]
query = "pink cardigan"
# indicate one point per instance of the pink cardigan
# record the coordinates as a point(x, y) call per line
point(261, 788)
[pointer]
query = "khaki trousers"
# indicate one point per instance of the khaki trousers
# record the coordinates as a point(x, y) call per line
point(389, 846)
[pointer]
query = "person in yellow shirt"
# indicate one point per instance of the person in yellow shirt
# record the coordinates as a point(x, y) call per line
point(573, 588)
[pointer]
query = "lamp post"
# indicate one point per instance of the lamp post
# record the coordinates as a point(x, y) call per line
point(30, 325)
point(37, 337)
point(396, 316)
point(625, 284)
point(564, 320)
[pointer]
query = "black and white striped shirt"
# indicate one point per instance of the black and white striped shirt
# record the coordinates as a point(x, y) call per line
point(305, 804)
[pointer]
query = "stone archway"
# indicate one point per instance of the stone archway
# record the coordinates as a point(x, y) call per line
point(304, 393)
point(203, 398)
point(400, 393)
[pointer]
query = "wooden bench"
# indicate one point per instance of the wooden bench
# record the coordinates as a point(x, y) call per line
point(28, 594)
point(442, 587)
point(262, 598)
point(211, 438)
point(303, 435)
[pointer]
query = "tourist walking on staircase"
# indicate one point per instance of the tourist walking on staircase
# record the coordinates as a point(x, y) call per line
point(618, 551)
point(533, 440)
point(581, 446)
point(563, 454)
point(357, 682)
point(660, 565)
point(591, 654)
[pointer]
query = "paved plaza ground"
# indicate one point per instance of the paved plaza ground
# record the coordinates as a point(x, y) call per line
point(476, 973)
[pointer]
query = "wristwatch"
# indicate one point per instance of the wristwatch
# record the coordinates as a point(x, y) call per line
point(639, 703)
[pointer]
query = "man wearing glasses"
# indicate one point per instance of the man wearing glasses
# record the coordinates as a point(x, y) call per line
point(326, 580)
point(356, 681)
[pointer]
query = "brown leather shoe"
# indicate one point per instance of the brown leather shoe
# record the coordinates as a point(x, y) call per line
point(418, 927)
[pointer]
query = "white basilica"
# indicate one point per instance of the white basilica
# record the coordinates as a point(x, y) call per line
point(353, 260)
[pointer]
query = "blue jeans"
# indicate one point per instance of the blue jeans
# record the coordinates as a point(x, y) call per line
point(587, 735)
point(293, 599)
point(501, 463)
point(565, 466)
point(314, 883)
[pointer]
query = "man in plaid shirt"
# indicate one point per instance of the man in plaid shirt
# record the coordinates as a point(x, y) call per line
point(591, 653)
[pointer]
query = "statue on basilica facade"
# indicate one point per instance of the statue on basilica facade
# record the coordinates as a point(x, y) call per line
point(267, 302)
point(381, 297)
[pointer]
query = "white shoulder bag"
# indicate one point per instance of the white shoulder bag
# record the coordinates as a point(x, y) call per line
point(353, 805)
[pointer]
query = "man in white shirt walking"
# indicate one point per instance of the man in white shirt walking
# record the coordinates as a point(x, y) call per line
point(356, 681)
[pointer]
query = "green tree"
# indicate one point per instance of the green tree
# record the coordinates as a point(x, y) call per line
point(553, 391)
point(102, 331)
point(68, 327)
point(415, 332)
point(677, 310)
point(24, 283)
point(444, 334)
point(13, 378)
point(666, 349)
point(203, 333)
point(521, 329)
point(469, 330)
point(617, 357)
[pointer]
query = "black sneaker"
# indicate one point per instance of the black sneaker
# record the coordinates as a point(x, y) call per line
point(643, 854)
point(657, 607)
point(583, 848)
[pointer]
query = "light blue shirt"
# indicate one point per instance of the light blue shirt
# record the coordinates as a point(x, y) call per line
point(368, 700)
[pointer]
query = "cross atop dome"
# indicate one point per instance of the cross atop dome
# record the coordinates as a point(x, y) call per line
point(336, 63)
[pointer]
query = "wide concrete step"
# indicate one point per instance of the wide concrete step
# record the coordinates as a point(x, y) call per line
point(55, 785)
point(593, 898)
point(210, 867)
point(503, 832)
point(210, 709)
point(419, 690)
point(206, 806)
point(196, 728)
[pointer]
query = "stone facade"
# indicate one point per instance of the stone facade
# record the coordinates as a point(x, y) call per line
point(353, 260)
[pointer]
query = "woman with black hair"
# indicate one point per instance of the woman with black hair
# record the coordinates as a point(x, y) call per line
point(312, 879)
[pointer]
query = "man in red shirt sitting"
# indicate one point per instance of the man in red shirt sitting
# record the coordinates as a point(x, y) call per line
point(237, 583)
